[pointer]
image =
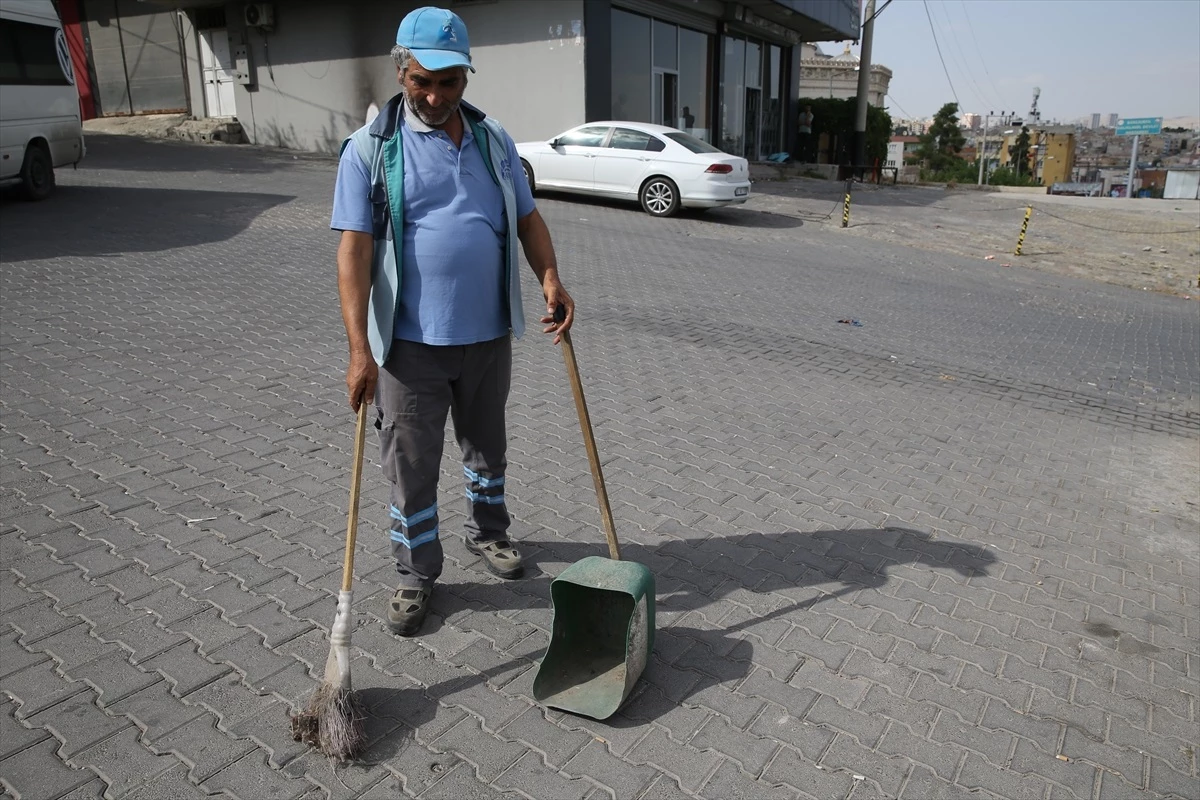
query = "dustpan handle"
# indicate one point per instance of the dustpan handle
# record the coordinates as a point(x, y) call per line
point(585, 425)
point(360, 433)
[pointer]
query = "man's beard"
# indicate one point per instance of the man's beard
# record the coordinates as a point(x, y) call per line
point(433, 117)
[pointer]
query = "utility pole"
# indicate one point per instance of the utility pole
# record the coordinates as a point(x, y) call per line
point(983, 148)
point(864, 85)
point(1132, 167)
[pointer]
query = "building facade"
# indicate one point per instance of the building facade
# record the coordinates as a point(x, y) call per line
point(1051, 152)
point(302, 74)
point(1055, 159)
point(901, 150)
point(822, 75)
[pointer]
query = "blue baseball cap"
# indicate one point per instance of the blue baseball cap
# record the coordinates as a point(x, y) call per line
point(437, 38)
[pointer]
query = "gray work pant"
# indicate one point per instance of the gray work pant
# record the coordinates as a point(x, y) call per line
point(417, 385)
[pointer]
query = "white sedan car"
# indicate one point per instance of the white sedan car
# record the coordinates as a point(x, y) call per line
point(664, 168)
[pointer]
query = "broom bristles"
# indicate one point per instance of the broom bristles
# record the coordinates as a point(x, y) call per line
point(332, 722)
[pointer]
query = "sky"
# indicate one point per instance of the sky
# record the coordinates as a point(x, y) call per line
point(1136, 58)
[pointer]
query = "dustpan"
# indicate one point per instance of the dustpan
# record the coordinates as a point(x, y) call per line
point(603, 629)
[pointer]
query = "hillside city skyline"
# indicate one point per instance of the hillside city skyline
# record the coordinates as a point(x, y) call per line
point(996, 53)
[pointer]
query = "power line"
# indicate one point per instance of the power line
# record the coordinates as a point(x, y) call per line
point(962, 57)
point(902, 111)
point(939, 52)
point(878, 11)
point(986, 72)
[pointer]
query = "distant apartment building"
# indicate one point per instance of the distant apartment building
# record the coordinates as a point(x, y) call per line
point(915, 127)
point(972, 121)
point(901, 148)
point(1113, 119)
point(1095, 122)
point(1051, 152)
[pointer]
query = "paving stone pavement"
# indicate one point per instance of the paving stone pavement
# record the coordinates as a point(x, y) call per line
point(950, 553)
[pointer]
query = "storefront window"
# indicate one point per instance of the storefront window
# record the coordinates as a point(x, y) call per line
point(661, 73)
point(666, 53)
point(665, 85)
point(752, 99)
point(753, 113)
point(733, 85)
point(631, 67)
point(695, 83)
point(772, 125)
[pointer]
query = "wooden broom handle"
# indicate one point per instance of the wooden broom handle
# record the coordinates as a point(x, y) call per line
point(585, 425)
point(360, 434)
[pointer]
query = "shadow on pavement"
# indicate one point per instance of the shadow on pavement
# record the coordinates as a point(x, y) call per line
point(790, 572)
point(95, 221)
point(730, 216)
point(139, 154)
point(861, 194)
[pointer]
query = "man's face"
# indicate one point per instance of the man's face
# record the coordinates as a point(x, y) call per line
point(433, 96)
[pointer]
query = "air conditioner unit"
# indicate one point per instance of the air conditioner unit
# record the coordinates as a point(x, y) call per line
point(259, 15)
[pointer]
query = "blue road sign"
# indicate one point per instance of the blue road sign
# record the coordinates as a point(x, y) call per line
point(1140, 126)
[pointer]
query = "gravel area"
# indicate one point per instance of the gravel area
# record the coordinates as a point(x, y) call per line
point(1142, 244)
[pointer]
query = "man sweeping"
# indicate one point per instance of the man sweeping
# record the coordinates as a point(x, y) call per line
point(430, 201)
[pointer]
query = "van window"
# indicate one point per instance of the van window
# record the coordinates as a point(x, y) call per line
point(29, 55)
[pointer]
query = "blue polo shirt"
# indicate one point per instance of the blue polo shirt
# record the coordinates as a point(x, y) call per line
point(453, 287)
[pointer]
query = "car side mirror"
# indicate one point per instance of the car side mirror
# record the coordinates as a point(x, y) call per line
point(554, 143)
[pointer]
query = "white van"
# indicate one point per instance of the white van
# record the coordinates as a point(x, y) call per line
point(40, 127)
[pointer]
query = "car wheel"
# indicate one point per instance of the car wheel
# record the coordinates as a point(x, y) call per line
point(660, 197)
point(37, 172)
point(528, 170)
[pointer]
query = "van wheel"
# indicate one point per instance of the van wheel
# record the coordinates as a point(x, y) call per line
point(37, 172)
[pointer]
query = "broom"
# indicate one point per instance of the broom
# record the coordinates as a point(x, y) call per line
point(333, 719)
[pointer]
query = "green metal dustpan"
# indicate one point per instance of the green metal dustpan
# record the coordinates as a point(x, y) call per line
point(603, 629)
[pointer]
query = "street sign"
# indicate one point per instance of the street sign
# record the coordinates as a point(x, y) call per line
point(1140, 126)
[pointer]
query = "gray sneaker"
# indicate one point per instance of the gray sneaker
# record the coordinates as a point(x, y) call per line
point(406, 610)
point(499, 556)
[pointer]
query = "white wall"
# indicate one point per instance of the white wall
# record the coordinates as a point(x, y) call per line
point(895, 154)
point(323, 65)
point(529, 76)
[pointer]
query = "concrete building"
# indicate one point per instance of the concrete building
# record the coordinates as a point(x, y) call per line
point(823, 75)
point(914, 127)
point(1055, 154)
point(1051, 152)
point(1113, 119)
point(901, 149)
point(972, 122)
point(1095, 122)
point(302, 74)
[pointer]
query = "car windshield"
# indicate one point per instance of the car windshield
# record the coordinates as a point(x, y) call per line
point(692, 143)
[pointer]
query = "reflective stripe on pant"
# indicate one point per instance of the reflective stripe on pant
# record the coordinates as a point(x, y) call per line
point(417, 386)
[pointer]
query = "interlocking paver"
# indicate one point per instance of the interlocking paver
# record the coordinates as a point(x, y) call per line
point(123, 761)
point(170, 785)
point(933, 549)
point(15, 737)
point(37, 772)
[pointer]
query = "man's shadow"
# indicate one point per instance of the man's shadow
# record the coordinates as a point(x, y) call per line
point(806, 569)
point(781, 574)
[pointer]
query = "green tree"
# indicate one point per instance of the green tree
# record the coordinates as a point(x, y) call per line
point(834, 117)
point(1018, 152)
point(944, 140)
point(1007, 176)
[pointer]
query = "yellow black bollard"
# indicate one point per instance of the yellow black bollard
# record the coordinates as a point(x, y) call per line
point(1024, 227)
point(846, 207)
